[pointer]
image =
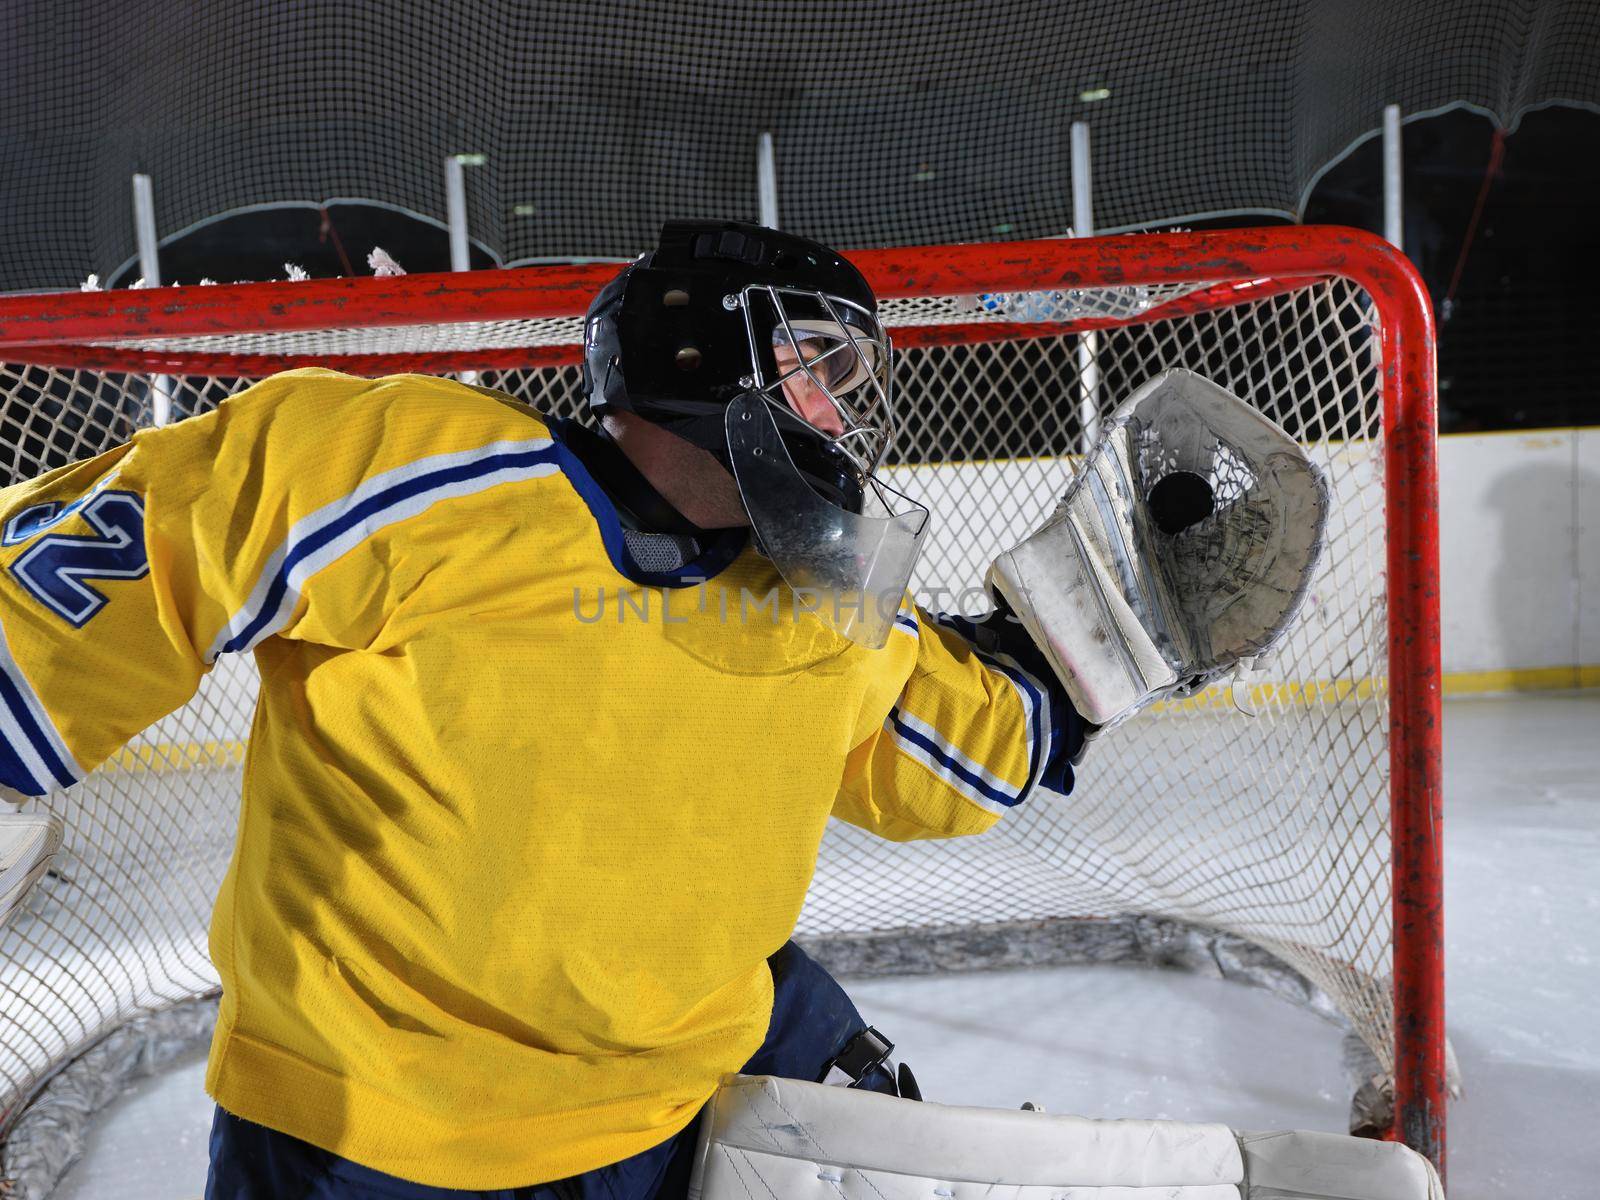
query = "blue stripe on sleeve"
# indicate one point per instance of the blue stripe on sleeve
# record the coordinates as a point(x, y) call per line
point(1039, 709)
point(22, 717)
point(16, 776)
point(440, 481)
point(946, 759)
point(1057, 730)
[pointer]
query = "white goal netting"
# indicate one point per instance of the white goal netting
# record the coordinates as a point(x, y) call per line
point(1273, 827)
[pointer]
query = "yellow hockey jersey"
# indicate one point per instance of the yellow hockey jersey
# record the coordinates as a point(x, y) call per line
point(521, 822)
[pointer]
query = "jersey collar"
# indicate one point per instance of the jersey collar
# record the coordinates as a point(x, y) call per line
point(577, 449)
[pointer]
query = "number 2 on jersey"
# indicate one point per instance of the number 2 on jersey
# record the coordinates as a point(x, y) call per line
point(57, 568)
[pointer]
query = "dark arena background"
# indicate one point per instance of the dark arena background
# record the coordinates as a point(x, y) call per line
point(1371, 220)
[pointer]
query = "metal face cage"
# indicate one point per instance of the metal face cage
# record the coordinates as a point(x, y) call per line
point(839, 348)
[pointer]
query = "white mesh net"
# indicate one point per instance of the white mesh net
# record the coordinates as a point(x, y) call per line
point(1272, 827)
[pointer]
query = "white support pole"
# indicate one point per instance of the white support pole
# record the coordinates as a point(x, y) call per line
point(455, 213)
point(455, 209)
point(1082, 191)
point(767, 180)
point(144, 234)
point(1393, 212)
point(144, 230)
point(1088, 343)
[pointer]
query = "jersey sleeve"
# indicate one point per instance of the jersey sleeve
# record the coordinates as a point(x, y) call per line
point(124, 577)
point(971, 735)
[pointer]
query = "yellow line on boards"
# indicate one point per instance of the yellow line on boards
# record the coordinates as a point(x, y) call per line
point(223, 753)
point(1295, 694)
point(1522, 679)
point(179, 756)
point(1283, 694)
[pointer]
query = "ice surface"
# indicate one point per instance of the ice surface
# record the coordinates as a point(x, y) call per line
point(1522, 779)
point(150, 1144)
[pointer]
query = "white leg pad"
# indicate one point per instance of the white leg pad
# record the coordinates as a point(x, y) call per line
point(28, 841)
point(1289, 1165)
point(766, 1137)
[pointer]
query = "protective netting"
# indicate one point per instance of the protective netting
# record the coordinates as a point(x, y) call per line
point(1273, 827)
point(894, 123)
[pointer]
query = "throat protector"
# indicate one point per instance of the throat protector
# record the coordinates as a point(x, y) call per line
point(851, 569)
point(1185, 543)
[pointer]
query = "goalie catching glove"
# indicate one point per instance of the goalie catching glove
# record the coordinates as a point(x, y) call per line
point(1184, 544)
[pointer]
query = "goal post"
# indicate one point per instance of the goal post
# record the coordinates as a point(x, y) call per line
point(1311, 830)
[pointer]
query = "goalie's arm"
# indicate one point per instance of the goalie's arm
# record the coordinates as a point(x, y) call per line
point(124, 577)
point(976, 728)
point(91, 645)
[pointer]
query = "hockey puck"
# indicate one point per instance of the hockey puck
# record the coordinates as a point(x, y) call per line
point(1180, 500)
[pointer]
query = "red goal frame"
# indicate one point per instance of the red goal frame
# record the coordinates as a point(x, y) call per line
point(103, 330)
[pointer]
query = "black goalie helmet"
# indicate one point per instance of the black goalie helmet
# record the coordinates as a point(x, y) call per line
point(765, 349)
